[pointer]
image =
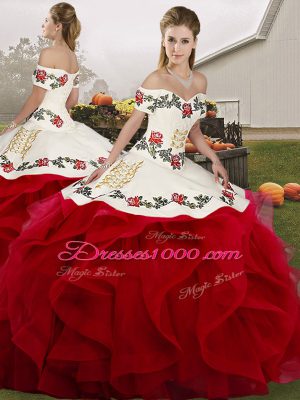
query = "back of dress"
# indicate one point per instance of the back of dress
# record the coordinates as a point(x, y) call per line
point(52, 113)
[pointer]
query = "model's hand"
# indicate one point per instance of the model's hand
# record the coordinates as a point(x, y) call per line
point(95, 175)
point(218, 169)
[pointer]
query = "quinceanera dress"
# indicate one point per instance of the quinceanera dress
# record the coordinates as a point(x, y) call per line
point(45, 154)
point(151, 282)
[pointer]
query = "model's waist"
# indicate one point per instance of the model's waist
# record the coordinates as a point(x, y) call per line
point(56, 116)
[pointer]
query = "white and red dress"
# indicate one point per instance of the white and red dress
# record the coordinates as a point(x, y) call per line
point(151, 282)
point(45, 154)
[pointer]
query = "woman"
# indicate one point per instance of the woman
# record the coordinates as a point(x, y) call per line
point(50, 150)
point(153, 280)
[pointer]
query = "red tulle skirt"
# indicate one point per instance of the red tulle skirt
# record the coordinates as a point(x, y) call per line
point(16, 195)
point(191, 308)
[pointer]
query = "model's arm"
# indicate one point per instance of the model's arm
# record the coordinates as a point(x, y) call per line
point(197, 138)
point(127, 132)
point(33, 101)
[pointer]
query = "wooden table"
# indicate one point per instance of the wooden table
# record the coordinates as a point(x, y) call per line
point(235, 161)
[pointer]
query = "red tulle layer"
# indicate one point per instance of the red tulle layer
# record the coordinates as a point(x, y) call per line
point(16, 195)
point(158, 328)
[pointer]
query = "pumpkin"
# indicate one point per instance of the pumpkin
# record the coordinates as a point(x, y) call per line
point(94, 98)
point(101, 99)
point(292, 191)
point(211, 114)
point(274, 190)
point(190, 148)
point(230, 145)
point(218, 146)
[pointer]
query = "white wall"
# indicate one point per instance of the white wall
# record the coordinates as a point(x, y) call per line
point(263, 75)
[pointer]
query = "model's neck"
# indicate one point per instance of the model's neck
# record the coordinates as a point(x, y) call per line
point(182, 70)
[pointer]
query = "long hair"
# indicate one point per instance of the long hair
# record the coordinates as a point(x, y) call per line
point(177, 16)
point(65, 14)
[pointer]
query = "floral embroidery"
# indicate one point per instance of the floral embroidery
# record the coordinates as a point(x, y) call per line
point(178, 198)
point(22, 141)
point(228, 197)
point(41, 76)
point(120, 174)
point(63, 79)
point(176, 161)
point(80, 164)
point(156, 137)
point(57, 121)
point(59, 162)
point(138, 201)
point(228, 194)
point(163, 101)
point(43, 162)
point(229, 186)
point(54, 118)
point(178, 138)
point(133, 201)
point(186, 110)
point(8, 167)
point(101, 160)
point(141, 96)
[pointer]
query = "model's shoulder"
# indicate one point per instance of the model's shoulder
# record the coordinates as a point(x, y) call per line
point(154, 80)
point(201, 81)
point(46, 57)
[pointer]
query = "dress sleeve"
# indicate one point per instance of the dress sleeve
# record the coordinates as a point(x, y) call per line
point(145, 100)
point(40, 77)
point(76, 81)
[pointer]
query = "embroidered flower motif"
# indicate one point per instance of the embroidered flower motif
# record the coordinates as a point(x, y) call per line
point(59, 162)
point(133, 201)
point(102, 160)
point(175, 161)
point(178, 198)
point(139, 201)
point(187, 110)
point(57, 121)
point(80, 164)
point(156, 137)
point(41, 75)
point(43, 162)
point(229, 186)
point(227, 197)
point(139, 97)
point(63, 79)
point(8, 167)
point(54, 118)
point(228, 194)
